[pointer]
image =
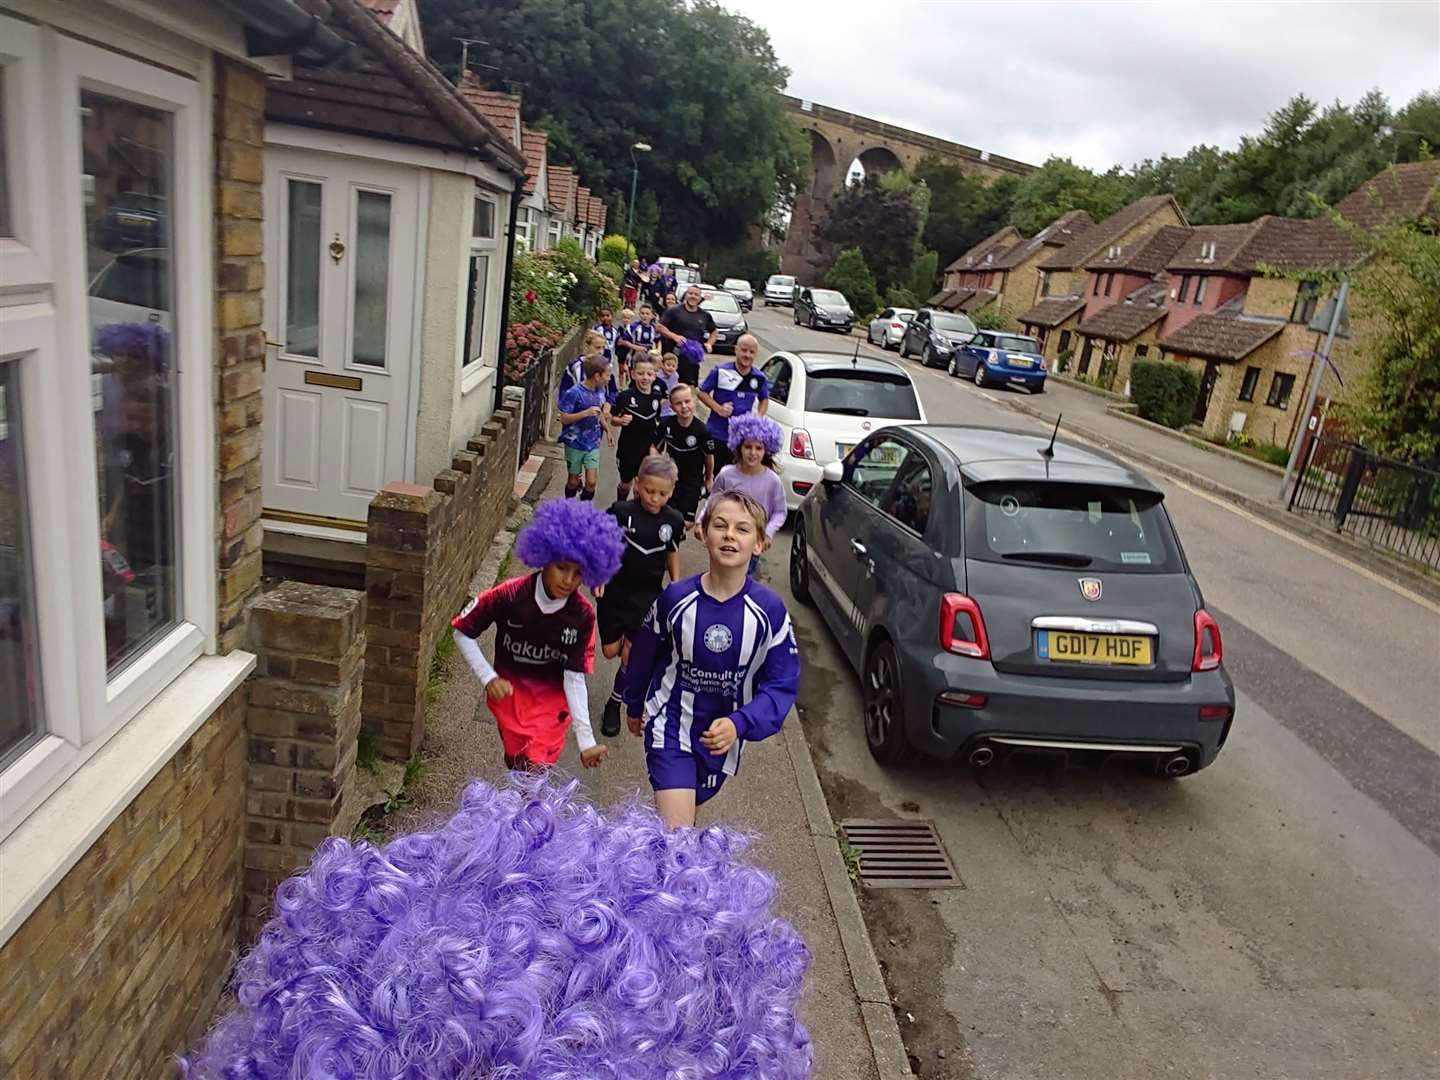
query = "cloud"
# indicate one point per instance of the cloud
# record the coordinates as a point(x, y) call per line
point(1103, 83)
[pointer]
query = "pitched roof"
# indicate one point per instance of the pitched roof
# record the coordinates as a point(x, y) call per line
point(602, 214)
point(1052, 311)
point(991, 245)
point(534, 144)
point(1401, 193)
point(1223, 335)
point(1067, 227)
point(387, 91)
point(561, 187)
point(1096, 239)
point(502, 110)
point(977, 299)
point(940, 298)
point(1139, 311)
point(1216, 248)
point(1147, 254)
point(582, 205)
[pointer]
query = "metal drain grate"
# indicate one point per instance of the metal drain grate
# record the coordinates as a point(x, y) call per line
point(900, 853)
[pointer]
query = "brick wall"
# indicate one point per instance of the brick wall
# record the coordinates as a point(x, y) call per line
point(119, 966)
point(240, 344)
point(423, 546)
point(302, 730)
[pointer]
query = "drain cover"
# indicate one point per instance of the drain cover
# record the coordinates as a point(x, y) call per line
point(900, 853)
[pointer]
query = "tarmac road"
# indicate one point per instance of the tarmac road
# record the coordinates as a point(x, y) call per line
point(1273, 916)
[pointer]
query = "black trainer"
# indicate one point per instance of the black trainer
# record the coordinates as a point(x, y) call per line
point(610, 719)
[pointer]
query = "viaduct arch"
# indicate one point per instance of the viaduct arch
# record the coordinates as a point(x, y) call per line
point(838, 137)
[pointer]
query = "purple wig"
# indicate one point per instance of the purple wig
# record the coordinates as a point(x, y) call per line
point(148, 340)
point(752, 427)
point(573, 530)
point(528, 938)
point(692, 351)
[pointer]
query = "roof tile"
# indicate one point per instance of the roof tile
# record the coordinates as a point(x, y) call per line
point(1147, 254)
point(1139, 311)
point(993, 244)
point(1222, 335)
point(1067, 227)
point(1052, 311)
point(1080, 251)
point(534, 145)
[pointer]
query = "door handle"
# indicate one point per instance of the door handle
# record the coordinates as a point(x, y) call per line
point(859, 549)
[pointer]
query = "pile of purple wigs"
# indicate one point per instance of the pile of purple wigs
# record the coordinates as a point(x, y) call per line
point(529, 938)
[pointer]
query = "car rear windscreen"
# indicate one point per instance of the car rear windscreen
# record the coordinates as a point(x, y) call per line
point(780, 279)
point(861, 393)
point(1016, 344)
point(1077, 526)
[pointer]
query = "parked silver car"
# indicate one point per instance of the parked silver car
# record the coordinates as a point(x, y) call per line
point(741, 290)
point(887, 328)
point(780, 289)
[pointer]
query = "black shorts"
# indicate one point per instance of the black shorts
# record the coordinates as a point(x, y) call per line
point(628, 465)
point(621, 614)
point(686, 499)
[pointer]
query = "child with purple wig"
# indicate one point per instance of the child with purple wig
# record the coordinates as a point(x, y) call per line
point(545, 634)
point(755, 440)
point(714, 666)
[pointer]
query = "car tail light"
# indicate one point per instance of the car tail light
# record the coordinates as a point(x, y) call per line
point(962, 627)
point(1215, 712)
point(801, 487)
point(1208, 650)
point(964, 699)
point(800, 444)
point(897, 326)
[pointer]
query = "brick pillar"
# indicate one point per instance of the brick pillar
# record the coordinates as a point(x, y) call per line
point(240, 344)
point(302, 728)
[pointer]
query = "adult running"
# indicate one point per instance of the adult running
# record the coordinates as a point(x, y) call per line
point(688, 321)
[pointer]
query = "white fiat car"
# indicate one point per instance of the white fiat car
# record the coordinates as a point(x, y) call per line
point(825, 403)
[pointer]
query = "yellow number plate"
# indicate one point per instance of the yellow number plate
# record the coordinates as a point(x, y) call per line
point(1067, 647)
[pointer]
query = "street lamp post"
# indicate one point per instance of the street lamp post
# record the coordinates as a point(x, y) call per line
point(644, 148)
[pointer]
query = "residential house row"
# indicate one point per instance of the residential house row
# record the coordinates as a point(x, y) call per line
point(253, 267)
point(1238, 302)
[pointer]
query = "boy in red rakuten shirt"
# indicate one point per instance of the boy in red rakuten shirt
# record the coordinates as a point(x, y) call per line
point(544, 634)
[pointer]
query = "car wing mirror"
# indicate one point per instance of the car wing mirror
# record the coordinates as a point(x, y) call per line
point(833, 472)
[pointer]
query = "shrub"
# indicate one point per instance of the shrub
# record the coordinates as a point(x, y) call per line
point(569, 245)
point(524, 342)
point(987, 318)
point(1165, 391)
point(895, 296)
point(613, 270)
point(616, 249)
point(922, 275)
point(852, 277)
point(1062, 362)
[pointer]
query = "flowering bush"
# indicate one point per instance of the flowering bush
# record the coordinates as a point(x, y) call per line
point(524, 342)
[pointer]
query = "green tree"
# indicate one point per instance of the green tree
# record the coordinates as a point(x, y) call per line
point(922, 275)
point(852, 277)
point(750, 264)
point(963, 208)
point(616, 249)
point(1396, 294)
point(1416, 128)
point(895, 296)
point(706, 95)
point(879, 222)
point(1060, 185)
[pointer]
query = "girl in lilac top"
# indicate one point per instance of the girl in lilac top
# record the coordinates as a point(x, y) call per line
point(755, 440)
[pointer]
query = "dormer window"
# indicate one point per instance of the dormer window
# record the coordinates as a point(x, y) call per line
point(989, 257)
point(1207, 251)
point(1114, 252)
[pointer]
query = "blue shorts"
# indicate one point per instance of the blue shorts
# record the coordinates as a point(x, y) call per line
point(577, 461)
point(680, 769)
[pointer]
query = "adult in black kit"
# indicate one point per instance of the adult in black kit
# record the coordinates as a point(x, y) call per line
point(637, 413)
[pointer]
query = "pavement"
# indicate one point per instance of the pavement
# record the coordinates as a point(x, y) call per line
point(776, 797)
point(1272, 916)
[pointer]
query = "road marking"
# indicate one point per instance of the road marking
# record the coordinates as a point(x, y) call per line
point(1239, 511)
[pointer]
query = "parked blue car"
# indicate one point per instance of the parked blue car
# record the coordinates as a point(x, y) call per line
point(995, 359)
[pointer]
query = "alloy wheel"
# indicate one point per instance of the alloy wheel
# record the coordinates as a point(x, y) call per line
point(799, 567)
point(879, 698)
point(979, 374)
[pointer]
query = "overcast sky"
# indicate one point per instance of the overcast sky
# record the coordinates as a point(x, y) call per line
point(1102, 83)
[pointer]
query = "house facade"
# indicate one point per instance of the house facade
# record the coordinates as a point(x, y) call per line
point(132, 364)
point(389, 200)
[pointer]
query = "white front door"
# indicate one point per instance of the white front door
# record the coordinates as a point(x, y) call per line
point(339, 288)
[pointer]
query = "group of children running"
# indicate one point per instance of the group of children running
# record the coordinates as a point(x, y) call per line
point(707, 663)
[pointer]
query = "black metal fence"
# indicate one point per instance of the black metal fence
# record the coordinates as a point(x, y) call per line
point(536, 381)
point(1391, 504)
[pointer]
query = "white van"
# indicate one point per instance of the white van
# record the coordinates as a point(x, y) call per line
point(780, 289)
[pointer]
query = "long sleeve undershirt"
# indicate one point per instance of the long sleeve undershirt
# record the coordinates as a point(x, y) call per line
point(577, 697)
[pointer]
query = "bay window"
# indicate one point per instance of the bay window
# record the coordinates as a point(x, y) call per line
point(106, 412)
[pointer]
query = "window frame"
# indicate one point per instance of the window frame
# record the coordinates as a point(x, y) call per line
point(854, 459)
point(887, 503)
point(1272, 397)
point(479, 246)
point(780, 391)
point(1065, 341)
point(1200, 284)
point(84, 704)
point(1307, 302)
point(26, 256)
point(1249, 383)
point(1184, 293)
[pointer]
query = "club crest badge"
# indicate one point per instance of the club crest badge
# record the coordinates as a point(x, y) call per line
point(1090, 588)
point(666, 532)
point(689, 440)
point(569, 636)
point(717, 638)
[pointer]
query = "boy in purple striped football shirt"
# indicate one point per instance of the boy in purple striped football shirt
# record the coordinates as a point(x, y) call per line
point(714, 666)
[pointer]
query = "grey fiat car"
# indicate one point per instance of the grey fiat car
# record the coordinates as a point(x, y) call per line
point(1002, 592)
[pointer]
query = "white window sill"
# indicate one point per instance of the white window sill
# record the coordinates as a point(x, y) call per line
point(52, 839)
point(475, 376)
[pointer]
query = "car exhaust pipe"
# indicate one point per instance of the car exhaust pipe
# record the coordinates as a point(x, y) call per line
point(1178, 765)
point(981, 756)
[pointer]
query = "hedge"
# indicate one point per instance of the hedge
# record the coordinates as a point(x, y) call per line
point(1165, 391)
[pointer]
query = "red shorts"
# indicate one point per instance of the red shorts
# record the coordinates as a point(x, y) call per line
point(631, 294)
point(532, 721)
